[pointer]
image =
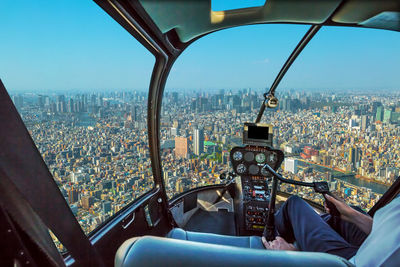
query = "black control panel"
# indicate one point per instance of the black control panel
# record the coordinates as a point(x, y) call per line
point(255, 215)
point(256, 198)
point(247, 162)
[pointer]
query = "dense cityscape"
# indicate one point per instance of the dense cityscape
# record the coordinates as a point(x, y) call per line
point(95, 144)
point(96, 148)
point(349, 140)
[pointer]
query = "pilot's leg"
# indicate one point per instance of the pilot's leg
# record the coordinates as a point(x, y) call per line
point(349, 231)
point(296, 220)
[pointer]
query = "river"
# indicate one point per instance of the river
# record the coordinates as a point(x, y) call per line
point(350, 178)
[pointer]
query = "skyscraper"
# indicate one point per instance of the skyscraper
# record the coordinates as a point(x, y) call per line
point(181, 147)
point(387, 114)
point(364, 122)
point(355, 156)
point(379, 114)
point(198, 141)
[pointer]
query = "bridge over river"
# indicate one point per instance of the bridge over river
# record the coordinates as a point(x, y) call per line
point(349, 178)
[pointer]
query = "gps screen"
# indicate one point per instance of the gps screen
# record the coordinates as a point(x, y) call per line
point(257, 132)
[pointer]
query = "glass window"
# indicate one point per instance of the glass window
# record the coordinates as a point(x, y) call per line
point(80, 83)
point(214, 87)
point(338, 117)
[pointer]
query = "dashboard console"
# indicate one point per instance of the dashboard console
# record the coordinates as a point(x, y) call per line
point(247, 162)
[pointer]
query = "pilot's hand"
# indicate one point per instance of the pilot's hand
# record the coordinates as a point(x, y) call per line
point(278, 244)
point(346, 212)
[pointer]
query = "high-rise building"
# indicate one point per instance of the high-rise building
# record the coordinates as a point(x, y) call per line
point(106, 207)
point(198, 141)
point(291, 165)
point(70, 106)
point(364, 122)
point(73, 195)
point(387, 114)
point(87, 202)
point(135, 113)
point(379, 113)
point(355, 156)
point(18, 101)
point(181, 147)
point(41, 101)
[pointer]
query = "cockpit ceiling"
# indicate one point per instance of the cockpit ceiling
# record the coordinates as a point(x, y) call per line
point(193, 18)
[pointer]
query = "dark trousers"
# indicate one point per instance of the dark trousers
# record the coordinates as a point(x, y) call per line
point(297, 221)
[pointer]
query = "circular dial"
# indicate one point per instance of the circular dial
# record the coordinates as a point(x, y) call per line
point(265, 172)
point(241, 169)
point(272, 158)
point(260, 157)
point(249, 156)
point(237, 155)
point(253, 169)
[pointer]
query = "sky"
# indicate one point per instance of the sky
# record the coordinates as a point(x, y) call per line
point(74, 45)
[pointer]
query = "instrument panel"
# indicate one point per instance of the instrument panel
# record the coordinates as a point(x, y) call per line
point(247, 162)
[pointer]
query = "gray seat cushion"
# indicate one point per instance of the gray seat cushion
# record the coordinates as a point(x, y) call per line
point(149, 251)
point(236, 241)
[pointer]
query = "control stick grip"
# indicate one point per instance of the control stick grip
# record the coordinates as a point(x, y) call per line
point(323, 188)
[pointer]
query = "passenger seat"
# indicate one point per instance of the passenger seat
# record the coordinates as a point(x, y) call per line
point(236, 241)
point(150, 251)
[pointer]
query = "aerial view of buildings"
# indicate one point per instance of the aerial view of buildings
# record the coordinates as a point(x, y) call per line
point(95, 144)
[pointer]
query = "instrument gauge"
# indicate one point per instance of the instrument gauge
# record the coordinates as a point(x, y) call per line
point(249, 156)
point(253, 169)
point(241, 169)
point(265, 172)
point(272, 158)
point(260, 158)
point(237, 155)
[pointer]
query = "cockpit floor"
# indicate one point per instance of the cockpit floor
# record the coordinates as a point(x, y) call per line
point(216, 222)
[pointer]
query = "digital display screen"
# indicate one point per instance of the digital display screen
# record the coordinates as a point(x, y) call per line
point(257, 132)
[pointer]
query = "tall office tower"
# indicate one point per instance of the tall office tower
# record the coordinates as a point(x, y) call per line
point(87, 202)
point(175, 97)
point(135, 113)
point(355, 156)
point(70, 106)
point(181, 147)
point(364, 122)
point(387, 114)
point(61, 106)
point(106, 206)
point(73, 195)
point(41, 101)
point(198, 141)
point(18, 101)
point(379, 113)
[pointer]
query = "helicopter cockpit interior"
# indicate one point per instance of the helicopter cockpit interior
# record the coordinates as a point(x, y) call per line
point(171, 176)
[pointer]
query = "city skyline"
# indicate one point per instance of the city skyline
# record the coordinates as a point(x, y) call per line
point(95, 144)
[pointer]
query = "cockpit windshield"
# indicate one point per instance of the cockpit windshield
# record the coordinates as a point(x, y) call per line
point(337, 118)
point(213, 88)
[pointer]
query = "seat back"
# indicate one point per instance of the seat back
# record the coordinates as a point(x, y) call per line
point(149, 251)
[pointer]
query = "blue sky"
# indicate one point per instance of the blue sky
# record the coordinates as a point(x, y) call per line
point(74, 44)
